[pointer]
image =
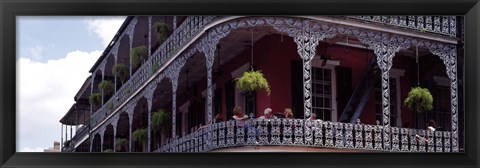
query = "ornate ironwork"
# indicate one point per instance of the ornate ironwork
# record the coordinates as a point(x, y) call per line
point(298, 132)
point(287, 131)
point(385, 45)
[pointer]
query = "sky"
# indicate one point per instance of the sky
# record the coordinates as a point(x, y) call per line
point(54, 55)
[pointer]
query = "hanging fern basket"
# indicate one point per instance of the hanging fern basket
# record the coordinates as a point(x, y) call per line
point(419, 99)
point(252, 80)
point(121, 71)
point(161, 30)
point(138, 54)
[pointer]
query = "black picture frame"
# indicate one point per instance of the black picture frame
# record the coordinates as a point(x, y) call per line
point(9, 9)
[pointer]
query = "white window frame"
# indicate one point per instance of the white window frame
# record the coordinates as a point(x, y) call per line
point(239, 100)
point(330, 64)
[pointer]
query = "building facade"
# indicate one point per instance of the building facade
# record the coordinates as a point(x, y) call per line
point(352, 72)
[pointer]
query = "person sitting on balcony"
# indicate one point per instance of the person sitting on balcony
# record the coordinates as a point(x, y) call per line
point(312, 117)
point(288, 113)
point(218, 118)
point(267, 114)
point(430, 127)
point(238, 114)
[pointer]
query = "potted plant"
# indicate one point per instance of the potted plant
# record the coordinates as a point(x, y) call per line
point(161, 31)
point(106, 87)
point(252, 80)
point(160, 121)
point(122, 71)
point(95, 99)
point(137, 55)
point(121, 143)
point(140, 136)
point(419, 99)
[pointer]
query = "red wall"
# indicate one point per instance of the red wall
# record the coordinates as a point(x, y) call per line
point(273, 56)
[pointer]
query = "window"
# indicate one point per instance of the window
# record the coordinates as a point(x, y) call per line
point(393, 102)
point(249, 103)
point(322, 99)
point(441, 109)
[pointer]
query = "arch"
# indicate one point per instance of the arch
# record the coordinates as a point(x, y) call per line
point(108, 138)
point(162, 98)
point(139, 122)
point(96, 143)
point(122, 132)
point(139, 38)
point(123, 57)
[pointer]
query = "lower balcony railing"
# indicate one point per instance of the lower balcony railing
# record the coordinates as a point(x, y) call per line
point(309, 133)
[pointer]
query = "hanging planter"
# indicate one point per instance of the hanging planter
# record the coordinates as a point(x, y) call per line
point(122, 143)
point(419, 99)
point(140, 136)
point(95, 99)
point(160, 119)
point(138, 54)
point(161, 31)
point(121, 71)
point(252, 80)
point(106, 86)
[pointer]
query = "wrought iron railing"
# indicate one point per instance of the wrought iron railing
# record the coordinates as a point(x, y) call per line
point(180, 36)
point(445, 25)
point(194, 24)
point(309, 133)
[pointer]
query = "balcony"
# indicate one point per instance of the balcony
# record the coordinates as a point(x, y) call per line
point(443, 25)
point(325, 136)
point(194, 25)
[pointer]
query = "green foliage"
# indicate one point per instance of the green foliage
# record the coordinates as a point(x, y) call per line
point(106, 86)
point(155, 66)
point(252, 80)
point(108, 150)
point(161, 30)
point(127, 91)
point(423, 30)
point(122, 71)
point(121, 141)
point(95, 98)
point(138, 54)
point(419, 99)
point(110, 106)
point(160, 119)
point(140, 135)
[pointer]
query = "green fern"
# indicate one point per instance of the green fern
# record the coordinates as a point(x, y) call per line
point(252, 80)
point(140, 135)
point(160, 119)
point(138, 54)
point(106, 86)
point(161, 30)
point(122, 71)
point(95, 98)
point(419, 99)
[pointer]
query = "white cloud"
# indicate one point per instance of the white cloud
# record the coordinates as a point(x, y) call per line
point(104, 27)
point(45, 92)
point(36, 52)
